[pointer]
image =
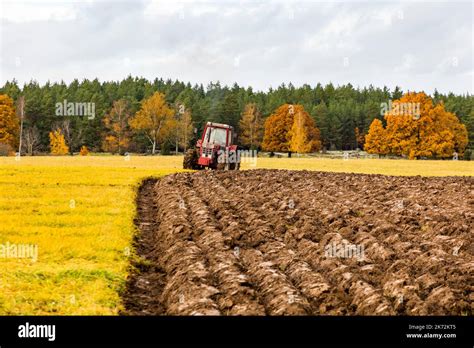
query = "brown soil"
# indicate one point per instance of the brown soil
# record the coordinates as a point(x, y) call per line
point(255, 243)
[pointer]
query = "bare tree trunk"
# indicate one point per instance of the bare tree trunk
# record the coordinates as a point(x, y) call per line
point(21, 102)
point(67, 131)
point(31, 139)
point(185, 140)
point(251, 136)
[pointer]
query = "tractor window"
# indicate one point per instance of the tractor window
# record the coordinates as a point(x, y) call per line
point(208, 134)
point(218, 136)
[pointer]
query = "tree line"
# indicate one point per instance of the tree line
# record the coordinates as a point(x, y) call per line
point(341, 115)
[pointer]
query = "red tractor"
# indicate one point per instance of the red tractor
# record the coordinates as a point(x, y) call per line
point(214, 150)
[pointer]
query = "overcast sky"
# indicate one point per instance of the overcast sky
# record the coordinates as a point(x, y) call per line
point(415, 45)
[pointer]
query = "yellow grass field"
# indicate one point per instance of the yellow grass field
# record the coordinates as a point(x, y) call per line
point(79, 213)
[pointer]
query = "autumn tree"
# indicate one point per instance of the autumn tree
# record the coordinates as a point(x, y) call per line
point(9, 122)
point(117, 129)
point(179, 129)
point(291, 128)
point(304, 135)
point(431, 132)
point(154, 119)
point(184, 127)
point(251, 127)
point(440, 133)
point(376, 140)
point(110, 144)
point(277, 127)
point(57, 143)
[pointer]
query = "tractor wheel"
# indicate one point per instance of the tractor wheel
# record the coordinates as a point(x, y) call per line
point(220, 166)
point(190, 159)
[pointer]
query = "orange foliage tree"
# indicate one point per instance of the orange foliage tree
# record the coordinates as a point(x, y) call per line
point(84, 151)
point(57, 143)
point(433, 132)
point(9, 122)
point(290, 128)
point(375, 140)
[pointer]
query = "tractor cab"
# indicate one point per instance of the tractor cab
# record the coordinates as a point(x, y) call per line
point(215, 135)
point(213, 149)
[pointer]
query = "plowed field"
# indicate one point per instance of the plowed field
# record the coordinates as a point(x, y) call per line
point(277, 242)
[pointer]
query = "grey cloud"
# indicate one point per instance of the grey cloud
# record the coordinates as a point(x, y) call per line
point(418, 46)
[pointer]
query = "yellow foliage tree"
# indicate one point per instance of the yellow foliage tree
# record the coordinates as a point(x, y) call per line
point(57, 143)
point(432, 132)
point(183, 126)
point(251, 127)
point(9, 122)
point(116, 123)
point(110, 144)
point(304, 136)
point(155, 119)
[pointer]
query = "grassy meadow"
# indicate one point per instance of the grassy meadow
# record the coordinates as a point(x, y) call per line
point(79, 213)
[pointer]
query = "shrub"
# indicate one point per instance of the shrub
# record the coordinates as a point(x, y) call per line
point(166, 148)
point(467, 155)
point(84, 151)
